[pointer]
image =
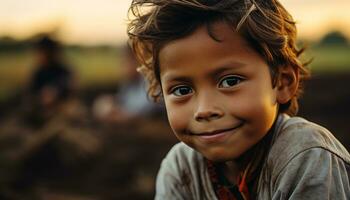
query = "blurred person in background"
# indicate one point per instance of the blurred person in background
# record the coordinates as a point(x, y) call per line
point(52, 80)
point(51, 86)
point(131, 101)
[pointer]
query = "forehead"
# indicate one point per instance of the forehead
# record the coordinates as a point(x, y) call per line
point(199, 49)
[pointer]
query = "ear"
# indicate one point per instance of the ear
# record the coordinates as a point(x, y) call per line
point(287, 85)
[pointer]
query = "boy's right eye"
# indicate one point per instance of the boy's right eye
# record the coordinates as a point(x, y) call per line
point(181, 91)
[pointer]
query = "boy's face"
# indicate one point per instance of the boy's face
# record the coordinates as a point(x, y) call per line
point(218, 95)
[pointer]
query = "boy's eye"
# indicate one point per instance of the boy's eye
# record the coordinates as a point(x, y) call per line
point(181, 91)
point(230, 81)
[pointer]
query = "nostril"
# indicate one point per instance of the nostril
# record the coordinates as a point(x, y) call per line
point(207, 116)
point(214, 116)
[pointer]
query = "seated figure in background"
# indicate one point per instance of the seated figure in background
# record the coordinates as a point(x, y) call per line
point(131, 101)
point(50, 89)
point(52, 80)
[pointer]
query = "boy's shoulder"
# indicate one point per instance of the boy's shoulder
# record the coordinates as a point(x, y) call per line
point(182, 156)
point(305, 161)
point(296, 136)
point(183, 173)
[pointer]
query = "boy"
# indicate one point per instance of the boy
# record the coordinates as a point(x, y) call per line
point(230, 77)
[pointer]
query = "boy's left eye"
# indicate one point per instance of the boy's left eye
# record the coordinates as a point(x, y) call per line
point(230, 81)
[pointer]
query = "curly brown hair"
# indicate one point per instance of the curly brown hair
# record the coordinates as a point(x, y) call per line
point(265, 24)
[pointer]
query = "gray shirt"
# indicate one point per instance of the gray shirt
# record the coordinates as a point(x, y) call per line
point(305, 162)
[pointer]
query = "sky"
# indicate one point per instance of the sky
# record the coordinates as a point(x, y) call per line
point(94, 22)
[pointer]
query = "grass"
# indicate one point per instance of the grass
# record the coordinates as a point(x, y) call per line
point(330, 59)
point(95, 66)
point(101, 66)
point(91, 67)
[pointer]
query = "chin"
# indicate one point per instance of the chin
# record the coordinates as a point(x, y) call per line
point(220, 156)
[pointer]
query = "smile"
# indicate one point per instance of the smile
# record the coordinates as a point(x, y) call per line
point(217, 135)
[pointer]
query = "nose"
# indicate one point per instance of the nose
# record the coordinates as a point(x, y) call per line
point(207, 109)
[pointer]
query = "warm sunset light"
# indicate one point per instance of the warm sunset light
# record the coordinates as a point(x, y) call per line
point(104, 22)
point(239, 119)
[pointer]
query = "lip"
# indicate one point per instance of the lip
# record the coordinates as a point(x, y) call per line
point(217, 135)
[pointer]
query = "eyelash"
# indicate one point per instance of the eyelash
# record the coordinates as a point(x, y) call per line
point(189, 90)
point(237, 79)
point(177, 88)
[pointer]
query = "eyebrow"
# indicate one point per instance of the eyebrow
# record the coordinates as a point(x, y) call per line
point(174, 78)
point(226, 67)
point(219, 70)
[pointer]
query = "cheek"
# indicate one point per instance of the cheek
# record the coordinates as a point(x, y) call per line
point(178, 117)
point(261, 111)
point(252, 105)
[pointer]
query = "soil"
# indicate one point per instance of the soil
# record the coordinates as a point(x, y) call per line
point(84, 159)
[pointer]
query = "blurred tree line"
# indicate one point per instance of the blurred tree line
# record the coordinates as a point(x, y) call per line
point(8, 43)
point(334, 38)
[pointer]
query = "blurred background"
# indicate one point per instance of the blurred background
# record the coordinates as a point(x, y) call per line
point(74, 119)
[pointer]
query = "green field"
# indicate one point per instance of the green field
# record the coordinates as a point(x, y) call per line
point(101, 66)
point(331, 59)
point(91, 67)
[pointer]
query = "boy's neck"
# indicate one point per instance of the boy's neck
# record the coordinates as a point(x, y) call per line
point(233, 169)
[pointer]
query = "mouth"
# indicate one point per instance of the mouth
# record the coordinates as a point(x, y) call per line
point(217, 132)
point(217, 136)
